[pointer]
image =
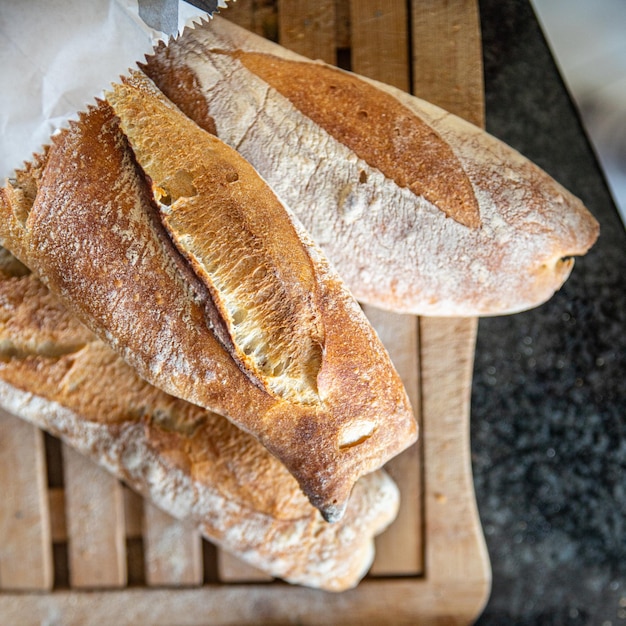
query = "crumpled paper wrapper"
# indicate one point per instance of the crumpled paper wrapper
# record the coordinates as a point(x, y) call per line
point(57, 56)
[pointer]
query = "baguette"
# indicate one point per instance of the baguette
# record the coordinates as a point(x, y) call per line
point(420, 211)
point(289, 357)
point(192, 463)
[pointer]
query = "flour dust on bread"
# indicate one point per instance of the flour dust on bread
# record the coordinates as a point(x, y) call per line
point(420, 211)
point(193, 463)
point(240, 242)
point(121, 228)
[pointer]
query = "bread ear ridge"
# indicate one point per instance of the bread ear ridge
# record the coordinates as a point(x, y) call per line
point(92, 238)
point(214, 205)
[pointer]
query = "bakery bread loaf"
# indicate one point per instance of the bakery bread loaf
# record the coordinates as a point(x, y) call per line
point(170, 248)
point(420, 211)
point(192, 463)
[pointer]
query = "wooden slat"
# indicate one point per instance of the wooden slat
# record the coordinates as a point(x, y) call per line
point(25, 547)
point(241, 12)
point(343, 37)
point(94, 512)
point(308, 27)
point(447, 353)
point(253, 15)
point(380, 36)
point(296, 28)
point(447, 56)
point(234, 570)
point(133, 513)
point(381, 602)
point(173, 549)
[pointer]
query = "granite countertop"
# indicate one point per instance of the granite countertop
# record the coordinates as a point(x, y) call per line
point(549, 395)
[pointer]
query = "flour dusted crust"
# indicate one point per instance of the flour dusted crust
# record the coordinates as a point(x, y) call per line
point(419, 210)
point(192, 463)
point(85, 218)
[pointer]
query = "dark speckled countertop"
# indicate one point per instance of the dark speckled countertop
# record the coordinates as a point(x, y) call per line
point(549, 396)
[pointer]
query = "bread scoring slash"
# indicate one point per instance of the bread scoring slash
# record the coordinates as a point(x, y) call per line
point(420, 211)
point(169, 246)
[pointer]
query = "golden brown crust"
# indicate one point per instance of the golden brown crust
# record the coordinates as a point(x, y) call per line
point(174, 79)
point(264, 300)
point(376, 127)
point(94, 237)
point(245, 499)
point(393, 248)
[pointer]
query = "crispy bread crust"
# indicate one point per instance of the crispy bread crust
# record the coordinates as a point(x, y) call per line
point(84, 218)
point(420, 211)
point(193, 463)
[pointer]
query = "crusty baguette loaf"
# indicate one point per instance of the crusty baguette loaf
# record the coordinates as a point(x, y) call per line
point(194, 464)
point(85, 217)
point(419, 210)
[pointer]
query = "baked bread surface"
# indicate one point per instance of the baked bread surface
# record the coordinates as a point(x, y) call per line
point(191, 462)
point(420, 211)
point(86, 217)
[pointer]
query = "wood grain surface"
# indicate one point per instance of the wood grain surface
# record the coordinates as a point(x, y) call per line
point(25, 546)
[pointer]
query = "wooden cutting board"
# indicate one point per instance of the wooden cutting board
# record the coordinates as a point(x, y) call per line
point(77, 547)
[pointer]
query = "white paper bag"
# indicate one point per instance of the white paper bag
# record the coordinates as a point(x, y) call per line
point(57, 56)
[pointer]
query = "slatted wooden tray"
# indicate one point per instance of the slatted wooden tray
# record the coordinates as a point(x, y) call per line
point(77, 547)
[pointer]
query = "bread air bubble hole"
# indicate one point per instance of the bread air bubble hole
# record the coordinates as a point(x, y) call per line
point(565, 264)
point(279, 368)
point(362, 114)
point(232, 176)
point(239, 316)
point(178, 185)
point(560, 264)
point(161, 196)
point(254, 346)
